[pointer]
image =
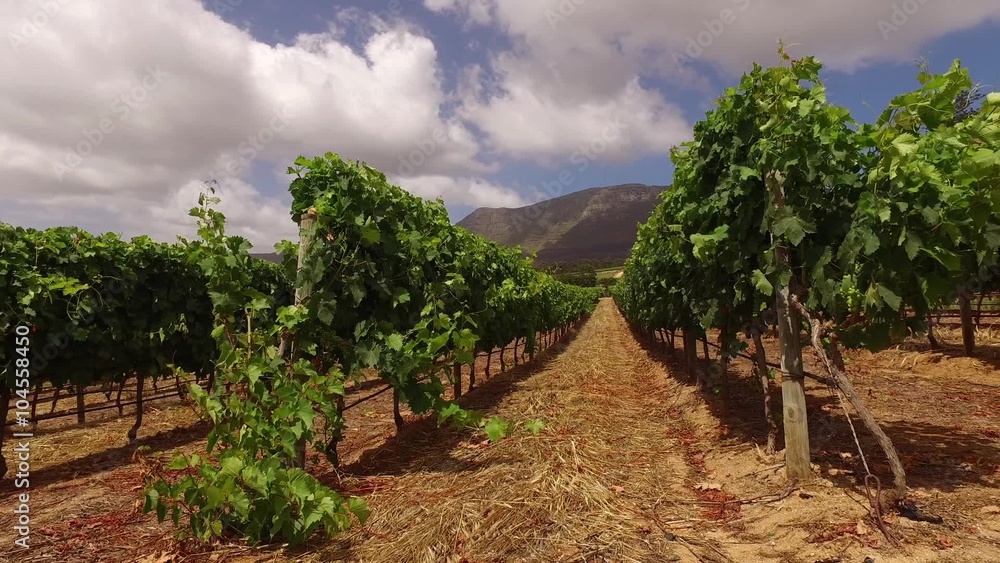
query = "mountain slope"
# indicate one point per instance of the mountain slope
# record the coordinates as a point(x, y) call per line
point(593, 224)
point(269, 256)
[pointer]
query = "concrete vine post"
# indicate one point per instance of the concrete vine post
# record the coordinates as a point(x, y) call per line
point(134, 431)
point(81, 406)
point(724, 366)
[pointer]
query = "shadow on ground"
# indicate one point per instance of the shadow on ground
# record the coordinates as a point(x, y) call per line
point(422, 444)
point(104, 460)
point(936, 456)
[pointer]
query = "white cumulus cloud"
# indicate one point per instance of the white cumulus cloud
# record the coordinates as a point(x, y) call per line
point(121, 109)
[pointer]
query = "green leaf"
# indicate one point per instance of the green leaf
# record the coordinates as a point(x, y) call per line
point(324, 312)
point(912, 245)
point(367, 356)
point(496, 428)
point(885, 214)
point(359, 509)
point(905, 144)
point(871, 242)
point(214, 497)
point(534, 426)
point(178, 462)
point(370, 234)
point(890, 298)
point(241, 503)
point(231, 466)
point(254, 373)
point(394, 342)
point(448, 411)
point(152, 498)
point(438, 342)
point(792, 228)
point(761, 283)
point(945, 257)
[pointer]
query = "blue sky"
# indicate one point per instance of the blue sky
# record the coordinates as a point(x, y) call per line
point(505, 94)
point(865, 91)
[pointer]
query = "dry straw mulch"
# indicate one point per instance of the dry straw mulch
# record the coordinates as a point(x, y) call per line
point(606, 480)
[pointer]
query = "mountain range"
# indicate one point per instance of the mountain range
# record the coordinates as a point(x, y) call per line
point(592, 224)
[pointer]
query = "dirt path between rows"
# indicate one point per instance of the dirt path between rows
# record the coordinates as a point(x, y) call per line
point(633, 464)
point(606, 480)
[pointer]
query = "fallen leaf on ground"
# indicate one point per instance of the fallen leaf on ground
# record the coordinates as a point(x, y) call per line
point(160, 558)
point(944, 542)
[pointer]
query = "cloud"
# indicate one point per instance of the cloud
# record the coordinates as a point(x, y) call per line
point(473, 12)
point(261, 218)
point(845, 34)
point(476, 192)
point(543, 122)
point(576, 64)
point(123, 106)
point(119, 109)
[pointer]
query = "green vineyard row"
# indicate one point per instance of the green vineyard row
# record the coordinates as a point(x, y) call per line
point(785, 211)
point(379, 280)
point(102, 308)
point(874, 219)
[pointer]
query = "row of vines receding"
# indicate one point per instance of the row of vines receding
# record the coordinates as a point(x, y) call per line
point(380, 282)
point(383, 282)
point(785, 211)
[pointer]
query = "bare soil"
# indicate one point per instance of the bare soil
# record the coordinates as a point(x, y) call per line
point(633, 464)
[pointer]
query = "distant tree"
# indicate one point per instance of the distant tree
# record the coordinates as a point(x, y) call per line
point(583, 278)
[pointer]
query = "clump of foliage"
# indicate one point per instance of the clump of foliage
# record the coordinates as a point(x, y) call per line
point(262, 406)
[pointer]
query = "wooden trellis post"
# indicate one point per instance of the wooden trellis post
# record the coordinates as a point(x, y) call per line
point(793, 394)
point(306, 224)
point(457, 379)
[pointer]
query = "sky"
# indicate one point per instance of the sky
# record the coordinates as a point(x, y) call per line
point(114, 113)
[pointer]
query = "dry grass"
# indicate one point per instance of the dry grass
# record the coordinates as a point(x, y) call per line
point(633, 465)
point(600, 483)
